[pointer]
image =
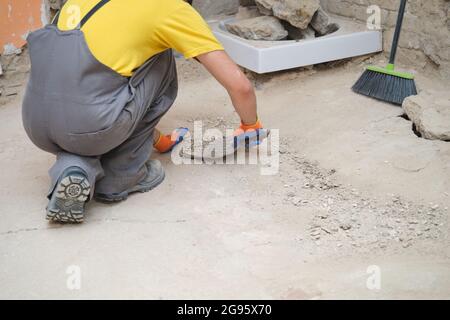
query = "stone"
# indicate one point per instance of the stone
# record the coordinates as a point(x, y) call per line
point(298, 13)
point(299, 34)
point(321, 22)
point(345, 226)
point(430, 113)
point(291, 194)
point(1, 70)
point(211, 8)
point(247, 13)
point(435, 207)
point(265, 6)
point(296, 201)
point(259, 28)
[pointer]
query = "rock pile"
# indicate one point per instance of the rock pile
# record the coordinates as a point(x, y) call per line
point(282, 19)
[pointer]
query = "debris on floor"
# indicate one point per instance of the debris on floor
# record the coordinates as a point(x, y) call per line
point(430, 113)
point(346, 219)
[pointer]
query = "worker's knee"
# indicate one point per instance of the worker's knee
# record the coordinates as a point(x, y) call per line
point(243, 87)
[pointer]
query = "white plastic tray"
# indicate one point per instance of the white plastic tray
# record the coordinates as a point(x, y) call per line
point(351, 40)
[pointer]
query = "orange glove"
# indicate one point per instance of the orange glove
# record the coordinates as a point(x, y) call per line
point(249, 135)
point(166, 143)
point(243, 128)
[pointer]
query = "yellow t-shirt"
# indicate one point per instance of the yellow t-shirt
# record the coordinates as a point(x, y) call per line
point(124, 34)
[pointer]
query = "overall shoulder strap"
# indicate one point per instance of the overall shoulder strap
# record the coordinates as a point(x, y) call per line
point(85, 19)
point(97, 7)
point(56, 17)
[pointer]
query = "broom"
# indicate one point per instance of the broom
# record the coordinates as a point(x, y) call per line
point(386, 84)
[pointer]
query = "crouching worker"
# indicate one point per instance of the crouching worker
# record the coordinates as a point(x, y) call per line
point(102, 76)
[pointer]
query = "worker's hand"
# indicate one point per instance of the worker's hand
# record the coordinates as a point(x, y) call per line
point(166, 143)
point(243, 128)
point(249, 135)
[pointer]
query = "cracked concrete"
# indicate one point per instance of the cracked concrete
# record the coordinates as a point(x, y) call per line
point(19, 230)
point(228, 232)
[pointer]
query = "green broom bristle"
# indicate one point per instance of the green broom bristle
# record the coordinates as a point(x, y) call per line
point(386, 85)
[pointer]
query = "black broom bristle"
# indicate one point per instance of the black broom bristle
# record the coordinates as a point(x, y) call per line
point(385, 87)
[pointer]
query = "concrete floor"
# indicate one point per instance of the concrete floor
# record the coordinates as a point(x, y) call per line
point(227, 231)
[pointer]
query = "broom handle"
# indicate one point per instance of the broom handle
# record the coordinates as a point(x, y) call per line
point(398, 28)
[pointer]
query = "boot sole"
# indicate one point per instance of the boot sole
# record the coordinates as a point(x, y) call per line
point(124, 195)
point(71, 193)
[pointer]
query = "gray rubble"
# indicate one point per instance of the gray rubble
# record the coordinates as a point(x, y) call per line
point(348, 219)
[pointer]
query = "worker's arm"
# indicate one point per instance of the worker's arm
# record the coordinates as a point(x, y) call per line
point(240, 89)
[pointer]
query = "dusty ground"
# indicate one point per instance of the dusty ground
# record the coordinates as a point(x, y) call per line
point(356, 188)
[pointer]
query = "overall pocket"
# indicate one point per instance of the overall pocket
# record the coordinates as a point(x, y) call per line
point(102, 141)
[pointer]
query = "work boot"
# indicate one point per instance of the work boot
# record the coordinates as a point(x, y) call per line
point(69, 197)
point(155, 176)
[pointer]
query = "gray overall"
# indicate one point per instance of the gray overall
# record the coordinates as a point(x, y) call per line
point(89, 115)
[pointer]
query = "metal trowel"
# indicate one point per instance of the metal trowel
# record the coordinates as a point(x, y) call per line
point(223, 147)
